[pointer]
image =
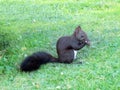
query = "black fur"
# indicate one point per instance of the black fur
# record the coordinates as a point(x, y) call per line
point(65, 46)
point(34, 61)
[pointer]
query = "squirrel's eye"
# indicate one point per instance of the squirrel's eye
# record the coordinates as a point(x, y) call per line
point(82, 36)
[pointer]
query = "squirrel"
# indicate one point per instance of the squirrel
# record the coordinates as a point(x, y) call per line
point(66, 46)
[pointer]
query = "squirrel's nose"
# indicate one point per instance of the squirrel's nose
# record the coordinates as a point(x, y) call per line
point(87, 42)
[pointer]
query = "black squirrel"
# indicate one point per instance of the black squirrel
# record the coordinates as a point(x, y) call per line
point(67, 47)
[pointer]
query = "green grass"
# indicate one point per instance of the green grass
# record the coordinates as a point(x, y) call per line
point(35, 25)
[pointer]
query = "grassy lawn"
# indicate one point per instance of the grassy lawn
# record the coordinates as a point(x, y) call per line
point(27, 26)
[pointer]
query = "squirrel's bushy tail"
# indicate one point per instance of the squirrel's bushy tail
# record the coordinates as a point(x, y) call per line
point(34, 61)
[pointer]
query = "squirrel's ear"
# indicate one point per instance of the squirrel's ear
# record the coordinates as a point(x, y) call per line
point(78, 27)
point(77, 30)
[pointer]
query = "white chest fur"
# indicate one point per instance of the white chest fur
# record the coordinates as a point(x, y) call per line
point(75, 54)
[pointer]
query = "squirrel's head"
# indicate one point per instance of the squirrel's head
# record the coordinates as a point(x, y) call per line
point(80, 35)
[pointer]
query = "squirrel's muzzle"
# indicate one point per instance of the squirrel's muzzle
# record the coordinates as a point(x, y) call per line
point(87, 42)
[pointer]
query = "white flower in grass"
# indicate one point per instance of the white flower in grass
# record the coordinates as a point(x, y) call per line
point(58, 87)
point(61, 73)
